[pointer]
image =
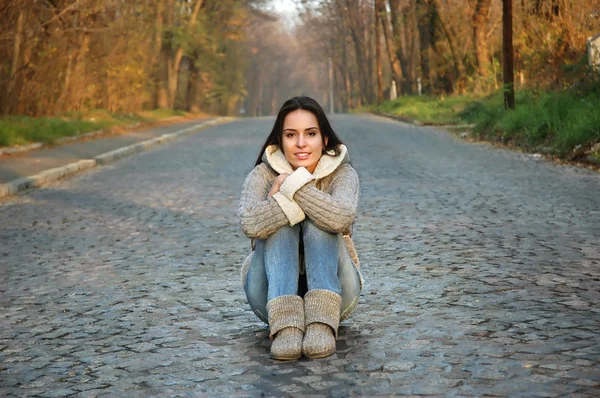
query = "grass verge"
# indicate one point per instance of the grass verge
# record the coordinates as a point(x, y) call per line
point(557, 123)
point(22, 130)
point(426, 109)
point(565, 124)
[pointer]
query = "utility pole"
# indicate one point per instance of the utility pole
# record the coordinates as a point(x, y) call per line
point(508, 59)
point(331, 107)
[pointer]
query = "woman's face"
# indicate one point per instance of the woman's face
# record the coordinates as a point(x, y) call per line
point(302, 141)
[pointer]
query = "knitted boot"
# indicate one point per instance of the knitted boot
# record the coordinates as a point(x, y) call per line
point(322, 312)
point(286, 323)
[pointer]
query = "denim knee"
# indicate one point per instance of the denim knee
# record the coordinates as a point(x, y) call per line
point(285, 232)
point(309, 227)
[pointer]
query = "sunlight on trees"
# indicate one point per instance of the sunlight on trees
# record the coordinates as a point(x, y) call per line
point(220, 56)
point(123, 56)
point(452, 46)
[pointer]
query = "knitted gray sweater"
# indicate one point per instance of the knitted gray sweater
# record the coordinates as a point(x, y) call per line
point(328, 196)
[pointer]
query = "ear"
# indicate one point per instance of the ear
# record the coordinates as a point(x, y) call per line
point(326, 140)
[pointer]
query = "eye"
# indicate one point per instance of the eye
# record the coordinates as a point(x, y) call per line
point(312, 133)
point(290, 135)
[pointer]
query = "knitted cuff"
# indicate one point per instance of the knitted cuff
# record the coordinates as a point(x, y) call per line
point(292, 211)
point(284, 312)
point(354, 258)
point(295, 181)
point(323, 306)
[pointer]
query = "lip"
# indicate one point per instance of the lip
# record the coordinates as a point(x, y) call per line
point(302, 155)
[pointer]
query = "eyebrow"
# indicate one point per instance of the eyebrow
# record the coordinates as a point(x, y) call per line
point(309, 128)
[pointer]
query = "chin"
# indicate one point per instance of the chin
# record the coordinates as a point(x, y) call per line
point(305, 165)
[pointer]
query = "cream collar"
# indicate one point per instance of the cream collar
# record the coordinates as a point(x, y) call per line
point(328, 163)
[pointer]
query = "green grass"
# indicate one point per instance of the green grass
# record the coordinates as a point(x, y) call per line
point(22, 130)
point(428, 110)
point(556, 121)
point(164, 113)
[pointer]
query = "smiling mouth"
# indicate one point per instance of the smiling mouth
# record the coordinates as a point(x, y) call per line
point(302, 155)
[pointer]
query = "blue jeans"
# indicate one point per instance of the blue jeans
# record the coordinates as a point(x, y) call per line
point(275, 268)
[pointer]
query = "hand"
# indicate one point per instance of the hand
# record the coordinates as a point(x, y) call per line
point(277, 183)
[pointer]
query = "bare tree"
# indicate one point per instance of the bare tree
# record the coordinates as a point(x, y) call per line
point(390, 44)
point(378, 56)
point(480, 21)
point(507, 49)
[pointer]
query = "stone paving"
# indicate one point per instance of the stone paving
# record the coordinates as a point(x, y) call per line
point(30, 163)
point(482, 271)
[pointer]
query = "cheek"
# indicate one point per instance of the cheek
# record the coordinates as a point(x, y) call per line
point(287, 148)
point(322, 145)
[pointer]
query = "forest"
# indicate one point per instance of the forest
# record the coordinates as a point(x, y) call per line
point(450, 46)
point(122, 55)
point(235, 57)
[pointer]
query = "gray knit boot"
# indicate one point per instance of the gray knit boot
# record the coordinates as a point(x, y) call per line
point(286, 324)
point(322, 312)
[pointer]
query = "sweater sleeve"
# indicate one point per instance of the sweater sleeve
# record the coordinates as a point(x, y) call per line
point(334, 211)
point(260, 216)
point(295, 181)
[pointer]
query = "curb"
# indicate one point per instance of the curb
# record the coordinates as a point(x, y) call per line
point(19, 149)
point(399, 118)
point(57, 173)
point(419, 123)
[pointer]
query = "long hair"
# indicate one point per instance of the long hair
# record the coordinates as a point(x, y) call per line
point(307, 104)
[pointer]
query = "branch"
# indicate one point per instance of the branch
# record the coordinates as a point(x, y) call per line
point(195, 12)
point(57, 16)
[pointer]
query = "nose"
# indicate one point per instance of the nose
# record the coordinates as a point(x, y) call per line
point(301, 141)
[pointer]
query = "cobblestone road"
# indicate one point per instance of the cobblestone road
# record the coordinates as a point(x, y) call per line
point(482, 272)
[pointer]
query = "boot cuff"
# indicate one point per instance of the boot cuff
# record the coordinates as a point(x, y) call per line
point(323, 306)
point(285, 312)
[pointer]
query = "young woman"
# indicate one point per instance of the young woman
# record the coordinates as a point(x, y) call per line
point(298, 205)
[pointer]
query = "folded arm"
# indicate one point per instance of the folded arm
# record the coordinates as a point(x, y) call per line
point(332, 211)
point(260, 215)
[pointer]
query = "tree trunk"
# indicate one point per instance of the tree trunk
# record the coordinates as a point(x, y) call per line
point(173, 66)
point(273, 100)
point(378, 57)
point(415, 53)
point(346, 72)
point(16, 54)
point(259, 101)
point(331, 93)
point(160, 99)
point(549, 9)
point(399, 33)
point(390, 45)
point(480, 20)
point(76, 84)
point(23, 102)
point(359, 48)
point(348, 86)
point(163, 94)
point(368, 48)
point(192, 100)
point(461, 74)
point(426, 27)
point(175, 63)
point(507, 50)
point(67, 84)
point(164, 58)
